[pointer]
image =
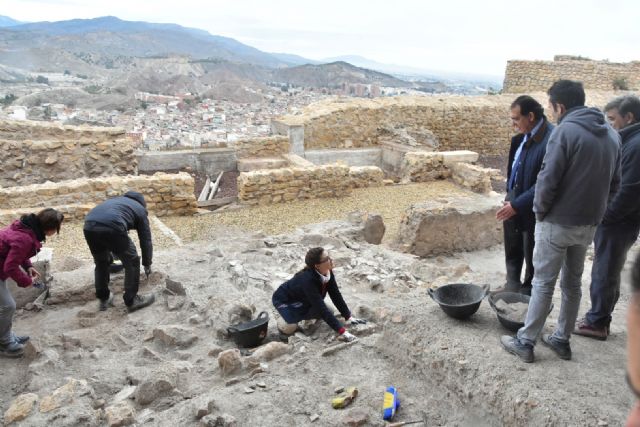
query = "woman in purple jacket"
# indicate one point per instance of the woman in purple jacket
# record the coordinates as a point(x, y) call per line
point(19, 242)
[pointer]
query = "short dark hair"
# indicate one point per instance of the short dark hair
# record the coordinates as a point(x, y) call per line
point(528, 105)
point(50, 219)
point(313, 257)
point(630, 104)
point(614, 104)
point(568, 93)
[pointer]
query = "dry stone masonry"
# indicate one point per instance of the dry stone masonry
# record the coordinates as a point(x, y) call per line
point(478, 123)
point(524, 76)
point(265, 187)
point(449, 122)
point(420, 166)
point(273, 146)
point(35, 153)
point(166, 194)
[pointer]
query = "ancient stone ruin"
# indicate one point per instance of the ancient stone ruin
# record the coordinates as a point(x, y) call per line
point(176, 362)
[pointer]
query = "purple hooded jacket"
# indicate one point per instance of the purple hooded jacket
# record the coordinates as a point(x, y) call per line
point(18, 243)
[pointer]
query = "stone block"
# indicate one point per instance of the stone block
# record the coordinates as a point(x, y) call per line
point(20, 408)
point(252, 164)
point(460, 224)
point(451, 157)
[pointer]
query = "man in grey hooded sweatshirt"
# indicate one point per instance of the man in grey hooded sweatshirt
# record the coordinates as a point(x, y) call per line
point(580, 172)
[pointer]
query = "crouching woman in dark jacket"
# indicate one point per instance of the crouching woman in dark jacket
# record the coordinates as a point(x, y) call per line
point(19, 242)
point(302, 296)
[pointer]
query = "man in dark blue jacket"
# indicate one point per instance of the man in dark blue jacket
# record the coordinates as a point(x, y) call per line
point(106, 229)
point(620, 225)
point(525, 160)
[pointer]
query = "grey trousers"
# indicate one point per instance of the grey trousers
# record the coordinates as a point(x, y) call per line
point(7, 309)
point(557, 248)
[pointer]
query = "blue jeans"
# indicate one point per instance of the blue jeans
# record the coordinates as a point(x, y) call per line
point(7, 310)
point(612, 242)
point(557, 247)
point(296, 312)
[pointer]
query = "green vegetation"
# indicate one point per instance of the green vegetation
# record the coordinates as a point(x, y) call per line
point(8, 99)
point(620, 83)
point(42, 79)
point(93, 89)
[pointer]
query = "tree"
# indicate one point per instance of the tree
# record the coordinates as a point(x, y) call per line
point(42, 79)
point(8, 99)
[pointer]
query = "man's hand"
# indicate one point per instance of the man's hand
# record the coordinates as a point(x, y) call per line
point(34, 274)
point(347, 337)
point(355, 321)
point(505, 212)
point(147, 270)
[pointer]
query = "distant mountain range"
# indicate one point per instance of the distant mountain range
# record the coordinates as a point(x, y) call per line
point(117, 56)
point(5, 21)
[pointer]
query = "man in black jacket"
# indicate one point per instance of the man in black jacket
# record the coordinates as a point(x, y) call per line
point(525, 160)
point(620, 225)
point(106, 230)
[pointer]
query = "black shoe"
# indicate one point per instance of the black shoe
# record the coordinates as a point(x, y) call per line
point(13, 350)
point(106, 303)
point(141, 302)
point(514, 346)
point(562, 349)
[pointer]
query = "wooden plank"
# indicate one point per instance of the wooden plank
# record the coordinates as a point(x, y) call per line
point(205, 189)
point(214, 189)
point(217, 202)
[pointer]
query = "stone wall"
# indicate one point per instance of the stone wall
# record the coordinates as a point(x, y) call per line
point(38, 152)
point(209, 161)
point(263, 187)
point(272, 146)
point(526, 76)
point(166, 194)
point(365, 176)
point(420, 166)
point(477, 123)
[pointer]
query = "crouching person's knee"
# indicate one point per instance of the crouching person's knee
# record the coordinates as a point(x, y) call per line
point(286, 328)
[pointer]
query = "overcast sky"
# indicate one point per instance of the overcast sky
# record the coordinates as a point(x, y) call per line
point(464, 36)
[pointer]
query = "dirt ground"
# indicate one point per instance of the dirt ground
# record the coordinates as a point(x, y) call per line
point(452, 372)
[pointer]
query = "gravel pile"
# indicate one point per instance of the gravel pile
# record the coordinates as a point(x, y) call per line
point(391, 202)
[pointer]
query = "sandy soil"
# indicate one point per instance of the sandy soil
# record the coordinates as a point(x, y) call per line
point(453, 372)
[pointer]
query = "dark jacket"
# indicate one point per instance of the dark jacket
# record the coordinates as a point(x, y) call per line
point(580, 171)
point(625, 205)
point(122, 214)
point(18, 243)
point(306, 287)
point(530, 162)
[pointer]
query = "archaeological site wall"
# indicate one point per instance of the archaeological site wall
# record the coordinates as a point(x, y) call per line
point(455, 165)
point(273, 146)
point(525, 76)
point(35, 153)
point(166, 194)
point(263, 187)
point(477, 123)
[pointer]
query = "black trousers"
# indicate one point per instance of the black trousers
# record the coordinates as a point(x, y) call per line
point(103, 241)
point(518, 251)
point(611, 244)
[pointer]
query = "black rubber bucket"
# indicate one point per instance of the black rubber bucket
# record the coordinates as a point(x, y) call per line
point(509, 298)
point(250, 334)
point(459, 300)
